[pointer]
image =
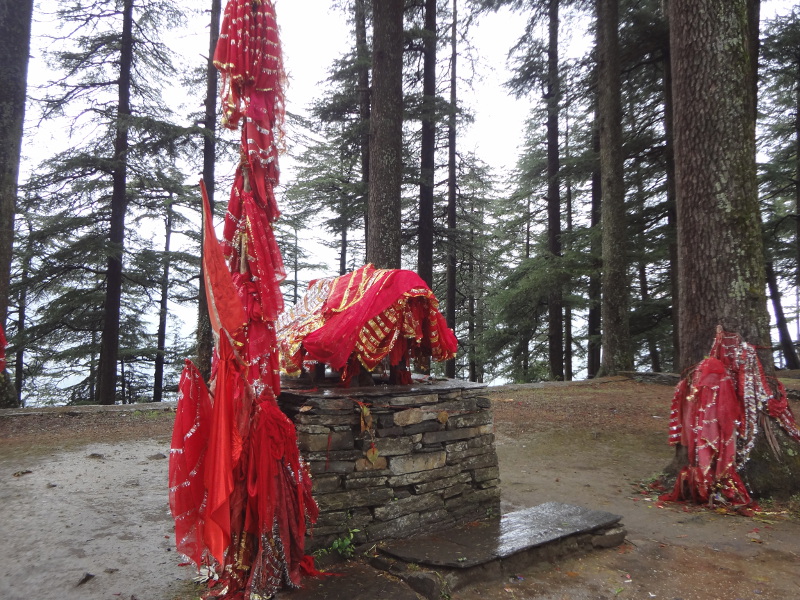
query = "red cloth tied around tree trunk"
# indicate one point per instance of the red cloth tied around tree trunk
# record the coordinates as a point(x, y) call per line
point(711, 417)
point(716, 413)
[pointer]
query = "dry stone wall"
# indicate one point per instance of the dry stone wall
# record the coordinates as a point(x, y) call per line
point(390, 462)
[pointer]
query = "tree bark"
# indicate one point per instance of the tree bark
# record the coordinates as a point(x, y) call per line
point(721, 254)
point(615, 282)
point(669, 151)
point(161, 334)
point(386, 131)
point(205, 338)
point(593, 323)
point(428, 146)
point(15, 38)
point(555, 321)
point(450, 305)
point(362, 52)
point(109, 342)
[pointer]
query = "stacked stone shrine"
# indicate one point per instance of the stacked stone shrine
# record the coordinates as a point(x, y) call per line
point(390, 462)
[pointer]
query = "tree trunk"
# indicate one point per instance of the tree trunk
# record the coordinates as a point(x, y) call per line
point(205, 338)
point(615, 283)
point(568, 338)
point(672, 217)
point(428, 146)
point(787, 347)
point(161, 335)
point(109, 342)
point(362, 52)
point(15, 39)
point(386, 135)
point(797, 182)
point(450, 305)
point(555, 332)
point(721, 255)
point(594, 291)
point(22, 310)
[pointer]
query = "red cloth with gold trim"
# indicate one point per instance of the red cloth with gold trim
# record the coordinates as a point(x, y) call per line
point(369, 314)
point(715, 415)
point(239, 491)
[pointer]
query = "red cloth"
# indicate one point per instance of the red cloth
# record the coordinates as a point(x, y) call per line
point(256, 493)
point(187, 491)
point(715, 414)
point(224, 307)
point(367, 312)
point(711, 419)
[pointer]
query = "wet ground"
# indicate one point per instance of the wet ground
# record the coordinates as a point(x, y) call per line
point(83, 507)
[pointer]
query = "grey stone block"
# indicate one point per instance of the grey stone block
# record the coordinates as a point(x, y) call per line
point(335, 440)
point(397, 508)
point(400, 465)
point(354, 498)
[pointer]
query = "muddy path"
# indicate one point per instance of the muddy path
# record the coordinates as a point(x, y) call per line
point(84, 514)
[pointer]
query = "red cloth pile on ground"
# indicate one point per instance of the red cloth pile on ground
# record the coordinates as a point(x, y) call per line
point(361, 318)
point(239, 491)
point(715, 415)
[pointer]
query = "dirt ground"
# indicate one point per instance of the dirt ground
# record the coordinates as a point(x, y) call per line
point(83, 504)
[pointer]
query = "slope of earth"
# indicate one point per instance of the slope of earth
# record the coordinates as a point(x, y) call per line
point(84, 514)
point(599, 444)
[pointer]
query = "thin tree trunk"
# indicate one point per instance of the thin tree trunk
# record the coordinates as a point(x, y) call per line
point(205, 338)
point(343, 242)
point(568, 369)
point(568, 338)
point(109, 343)
point(161, 335)
point(471, 303)
point(555, 321)
point(797, 184)
point(15, 37)
point(595, 287)
point(428, 146)
point(615, 303)
point(450, 305)
point(787, 347)
point(22, 309)
point(362, 52)
point(386, 135)
point(672, 217)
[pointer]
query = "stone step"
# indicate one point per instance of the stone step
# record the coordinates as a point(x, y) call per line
point(499, 548)
point(436, 564)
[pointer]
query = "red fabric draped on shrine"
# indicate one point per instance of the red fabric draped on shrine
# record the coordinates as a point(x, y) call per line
point(239, 491)
point(715, 415)
point(369, 314)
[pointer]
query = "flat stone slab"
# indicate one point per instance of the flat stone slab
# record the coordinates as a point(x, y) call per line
point(482, 542)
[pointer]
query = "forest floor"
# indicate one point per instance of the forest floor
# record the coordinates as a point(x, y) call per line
point(83, 504)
